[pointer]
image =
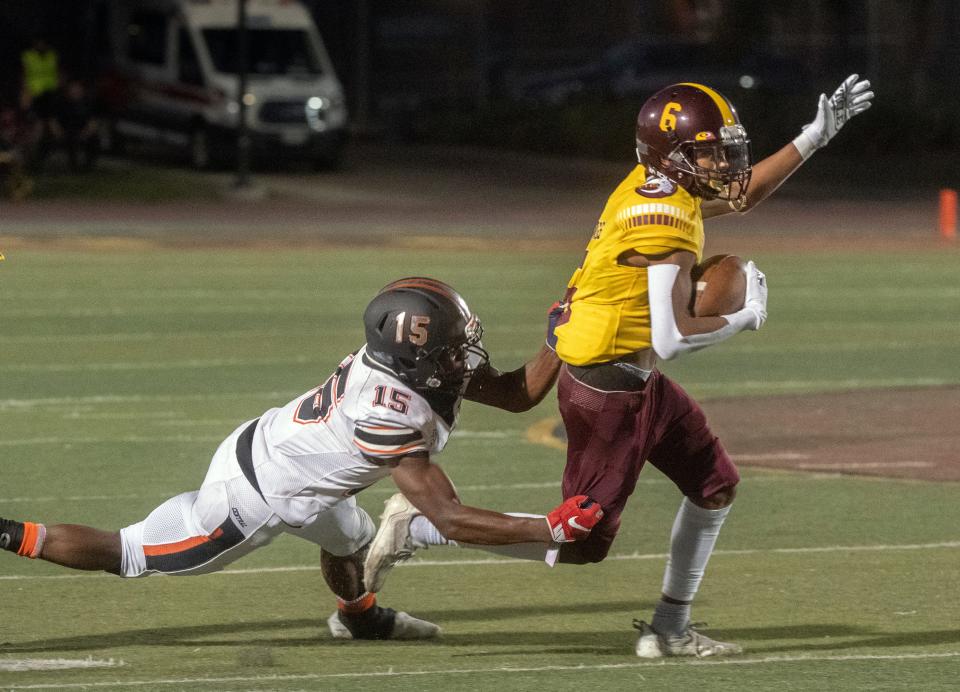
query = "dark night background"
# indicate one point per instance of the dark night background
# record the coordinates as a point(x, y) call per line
point(567, 76)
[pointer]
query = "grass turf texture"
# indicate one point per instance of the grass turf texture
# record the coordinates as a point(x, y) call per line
point(120, 373)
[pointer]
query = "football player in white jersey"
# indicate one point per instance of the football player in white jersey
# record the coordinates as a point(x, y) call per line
point(296, 469)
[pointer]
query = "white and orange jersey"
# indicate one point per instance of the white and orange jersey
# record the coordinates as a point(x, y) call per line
point(337, 439)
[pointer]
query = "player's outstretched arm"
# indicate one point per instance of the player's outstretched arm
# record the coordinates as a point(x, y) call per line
point(674, 328)
point(851, 98)
point(429, 489)
point(523, 388)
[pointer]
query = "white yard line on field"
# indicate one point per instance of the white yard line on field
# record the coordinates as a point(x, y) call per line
point(497, 562)
point(100, 399)
point(503, 670)
point(151, 365)
point(156, 439)
point(771, 456)
point(140, 310)
point(224, 423)
point(139, 336)
point(831, 346)
point(160, 417)
point(80, 498)
point(866, 465)
point(22, 664)
point(775, 386)
point(488, 434)
point(27, 441)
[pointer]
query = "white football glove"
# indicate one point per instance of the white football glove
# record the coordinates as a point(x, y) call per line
point(850, 98)
point(756, 296)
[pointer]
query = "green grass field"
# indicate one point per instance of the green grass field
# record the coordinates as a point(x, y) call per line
point(121, 372)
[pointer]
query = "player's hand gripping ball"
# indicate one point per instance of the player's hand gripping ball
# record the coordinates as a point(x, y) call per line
point(720, 286)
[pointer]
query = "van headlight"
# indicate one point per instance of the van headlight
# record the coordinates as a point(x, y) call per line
point(316, 107)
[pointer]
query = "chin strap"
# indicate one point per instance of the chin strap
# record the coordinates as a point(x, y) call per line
point(739, 203)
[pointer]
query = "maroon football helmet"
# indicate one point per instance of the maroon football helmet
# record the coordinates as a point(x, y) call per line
point(691, 134)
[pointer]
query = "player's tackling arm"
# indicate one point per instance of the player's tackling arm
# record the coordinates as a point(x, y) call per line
point(429, 489)
point(517, 390)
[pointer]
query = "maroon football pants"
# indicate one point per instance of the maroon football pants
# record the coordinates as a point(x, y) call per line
point(610, 435)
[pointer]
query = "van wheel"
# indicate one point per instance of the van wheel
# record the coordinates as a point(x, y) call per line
point(200, 149)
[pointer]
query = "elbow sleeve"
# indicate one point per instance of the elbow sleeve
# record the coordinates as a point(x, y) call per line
point(665, 336)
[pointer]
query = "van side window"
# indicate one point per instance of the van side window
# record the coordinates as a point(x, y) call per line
point(147, 38)
point(188, 64)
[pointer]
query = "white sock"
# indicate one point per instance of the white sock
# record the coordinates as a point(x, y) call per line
point(694, 534)
point(424, 534)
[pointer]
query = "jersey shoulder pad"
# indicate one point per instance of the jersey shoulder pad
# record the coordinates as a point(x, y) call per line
point(655, 224)
point(382, 440)
point(392, 421)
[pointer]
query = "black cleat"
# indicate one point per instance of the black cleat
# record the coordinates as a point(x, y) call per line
point(380, 623)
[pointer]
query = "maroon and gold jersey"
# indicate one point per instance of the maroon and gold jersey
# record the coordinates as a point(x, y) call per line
point(609, 306)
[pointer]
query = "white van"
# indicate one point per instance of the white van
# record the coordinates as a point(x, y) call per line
point(173, 80)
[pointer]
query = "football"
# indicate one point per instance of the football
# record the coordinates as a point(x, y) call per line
point(719, 286)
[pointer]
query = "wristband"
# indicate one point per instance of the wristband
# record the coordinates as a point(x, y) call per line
point(697, 341)
point(743, 319)
point(804, 145)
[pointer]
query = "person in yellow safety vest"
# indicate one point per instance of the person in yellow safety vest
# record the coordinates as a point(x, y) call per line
point(41, 77)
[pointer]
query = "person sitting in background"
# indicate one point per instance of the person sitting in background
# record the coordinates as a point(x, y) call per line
point(14, 183)
point(73, 127)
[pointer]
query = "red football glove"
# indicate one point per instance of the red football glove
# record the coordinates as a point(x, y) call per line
point(573, 519)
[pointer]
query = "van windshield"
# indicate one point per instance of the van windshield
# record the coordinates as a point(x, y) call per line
point(269, 51)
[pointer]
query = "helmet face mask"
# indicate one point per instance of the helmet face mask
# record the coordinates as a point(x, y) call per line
point(691, 134)
point(424, 333)
point(720, 169)
point(453, 363)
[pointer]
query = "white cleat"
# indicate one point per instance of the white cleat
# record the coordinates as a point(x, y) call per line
point(337, 628)
point(392, 544)
point(408, 627)
point(652, 644)
point(405, 626)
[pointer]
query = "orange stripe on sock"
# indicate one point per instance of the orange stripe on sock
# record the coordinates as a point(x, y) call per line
point(179, 546)
point(30, 534)
point(365, 602)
